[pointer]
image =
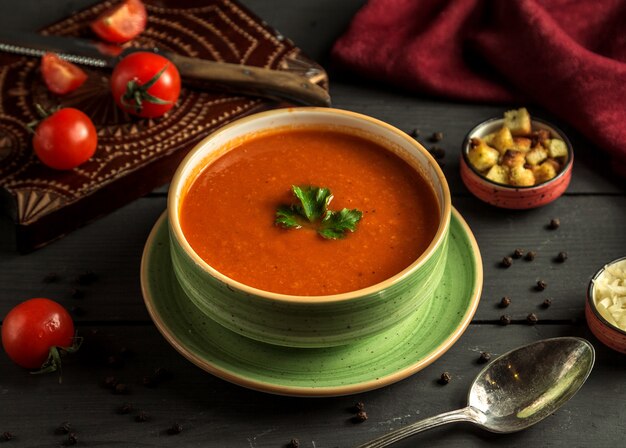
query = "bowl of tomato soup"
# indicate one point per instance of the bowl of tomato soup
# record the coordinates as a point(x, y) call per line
point(309, 227)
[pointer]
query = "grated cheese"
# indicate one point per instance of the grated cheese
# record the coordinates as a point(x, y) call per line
point(609, 294)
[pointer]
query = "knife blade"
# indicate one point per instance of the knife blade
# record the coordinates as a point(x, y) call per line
point(236, 78)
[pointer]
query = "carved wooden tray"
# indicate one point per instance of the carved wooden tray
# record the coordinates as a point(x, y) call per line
point(134, 156)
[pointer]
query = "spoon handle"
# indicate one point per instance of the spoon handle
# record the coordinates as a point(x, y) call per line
point(459, 415)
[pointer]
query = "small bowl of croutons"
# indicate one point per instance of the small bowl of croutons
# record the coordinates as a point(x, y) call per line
point(516, 162)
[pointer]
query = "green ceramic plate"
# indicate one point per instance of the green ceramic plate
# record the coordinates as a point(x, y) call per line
point(368, 364)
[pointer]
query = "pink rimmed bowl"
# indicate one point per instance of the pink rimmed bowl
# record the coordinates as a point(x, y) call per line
point(512, 197)
point(607, 333)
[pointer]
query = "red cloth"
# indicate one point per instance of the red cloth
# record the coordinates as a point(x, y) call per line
point(568, 56)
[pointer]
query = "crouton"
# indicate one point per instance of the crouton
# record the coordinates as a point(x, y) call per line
point(482, 156)
point(544, 172)
point(554, 163)
point(498, 174)
point(489, 138)
point(518, 121)
point(502, 140)
point(521, 177)
point(556, 148)
point(513, 158)
point(536, 155)
point(522, 144)
point(540, 137)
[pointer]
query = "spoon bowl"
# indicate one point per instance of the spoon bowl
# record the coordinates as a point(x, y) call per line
point(516, 390)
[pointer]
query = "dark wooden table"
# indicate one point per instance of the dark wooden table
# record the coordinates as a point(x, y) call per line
point(218, 414)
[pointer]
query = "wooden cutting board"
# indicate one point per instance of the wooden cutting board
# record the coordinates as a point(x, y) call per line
point(134, 156)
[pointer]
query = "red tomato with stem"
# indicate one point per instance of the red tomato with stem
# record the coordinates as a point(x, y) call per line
point(65, 139)
point(33, 329)
point(145, 84)
point(122, 22)
point(61, 76)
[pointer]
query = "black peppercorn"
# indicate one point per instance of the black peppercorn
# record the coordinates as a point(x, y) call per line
point(77, 293)
point(484, 357)
point(65, 428)
point(546, 303)
point(532, 319)
point(109, 382)
point(8, 436)
point(72, 439)
point(77, 311)
point(415, 133)
point(530, 255)
point(52, 277)
point(121, 389)
point(115, 361)
point(506, 262)
point(518, 253)
point(126, 408)
point(438, 152)
point(444, 378)
point(149, 381)
point(162, 374)
point(561, 257)
point(142, 417)
point(293, 443)
point(176, 428)
point(541, 285)
point(87, 278)
point(555, 223)
point(505, 319)
point(359, 406)
point(360, 417)
point(436, 137)
point(505, 301)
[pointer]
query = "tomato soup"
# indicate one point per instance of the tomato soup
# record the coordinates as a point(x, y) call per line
point(227, 215)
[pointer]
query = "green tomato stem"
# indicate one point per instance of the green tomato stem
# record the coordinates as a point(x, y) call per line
point(138, 93)
point(53, 363)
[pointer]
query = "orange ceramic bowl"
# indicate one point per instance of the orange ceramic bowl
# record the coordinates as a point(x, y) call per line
point(607, 333)
point(511, 197)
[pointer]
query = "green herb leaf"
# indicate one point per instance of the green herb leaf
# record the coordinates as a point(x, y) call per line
point(313, 206)
point(286, 217)
point(335, 224)
point(314, 200)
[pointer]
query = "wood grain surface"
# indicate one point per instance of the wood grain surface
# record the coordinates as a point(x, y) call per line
point(136, 156)
point(214, 413)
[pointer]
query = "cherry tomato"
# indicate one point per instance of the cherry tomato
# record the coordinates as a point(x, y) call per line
point(61, 76)
point(122, 22)
point(145, 84)
point(32, 328)
point(65, 139)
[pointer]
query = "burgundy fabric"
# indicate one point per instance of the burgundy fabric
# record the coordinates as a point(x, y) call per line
point(568, 56)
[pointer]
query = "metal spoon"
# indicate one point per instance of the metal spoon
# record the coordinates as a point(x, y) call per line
point(516, 390)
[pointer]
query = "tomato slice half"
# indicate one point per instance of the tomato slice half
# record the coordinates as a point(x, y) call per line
point(61, 76)
point(122, 22)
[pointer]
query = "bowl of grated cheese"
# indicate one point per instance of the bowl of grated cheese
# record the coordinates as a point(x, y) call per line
point(605, 309)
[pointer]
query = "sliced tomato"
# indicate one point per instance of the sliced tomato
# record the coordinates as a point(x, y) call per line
point(61, 76)
point(121, 23)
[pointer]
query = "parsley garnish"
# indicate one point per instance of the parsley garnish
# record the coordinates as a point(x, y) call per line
point(313, 207)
